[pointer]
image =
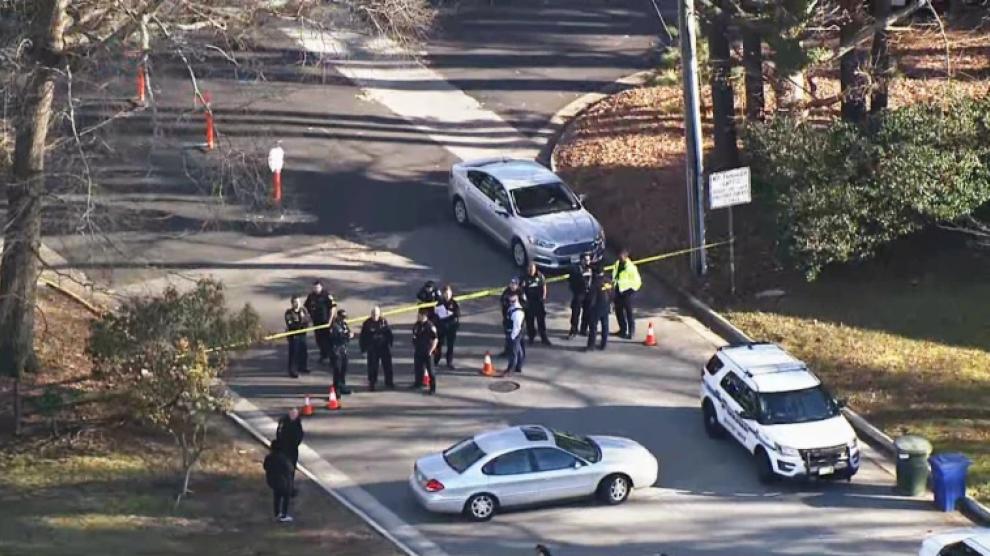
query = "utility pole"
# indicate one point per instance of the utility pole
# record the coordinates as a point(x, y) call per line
point(687, 23)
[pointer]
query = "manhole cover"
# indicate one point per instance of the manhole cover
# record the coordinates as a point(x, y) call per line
point(503, 386)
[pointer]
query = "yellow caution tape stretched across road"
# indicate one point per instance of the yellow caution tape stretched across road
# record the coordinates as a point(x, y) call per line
point(468, 296)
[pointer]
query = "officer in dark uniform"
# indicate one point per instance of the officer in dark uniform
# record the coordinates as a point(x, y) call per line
point(376, 340)
point(428, 294)
point(579, 281)
point(425, 340)
point(512, 290)
point(321, 308)
point(599, 306)
point(448, 319)
point(340, 336)
point(296, 318)
point(534, 287)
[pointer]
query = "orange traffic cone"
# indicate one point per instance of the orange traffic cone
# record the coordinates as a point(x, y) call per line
point(651, 338)
point(488, 369)
point(307, 408)
point(426, 379)
point(332, 402)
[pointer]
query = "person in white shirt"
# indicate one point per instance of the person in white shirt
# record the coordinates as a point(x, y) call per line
point(514, 318)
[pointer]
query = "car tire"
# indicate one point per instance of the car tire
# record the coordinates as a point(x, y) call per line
point(519, 256)
point(460, 212)
point(481, 507)
point(713, 428)
point(614, 489)
point(764, 468)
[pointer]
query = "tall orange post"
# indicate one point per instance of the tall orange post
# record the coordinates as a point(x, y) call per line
point(277, 187)
point(141, 83)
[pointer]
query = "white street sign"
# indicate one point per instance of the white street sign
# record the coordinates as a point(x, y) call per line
point(729, 188)
point(276, 157)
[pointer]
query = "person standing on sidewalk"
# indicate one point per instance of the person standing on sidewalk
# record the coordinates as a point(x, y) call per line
point(321, 308)
point(534, 288)
point(296, 318)
point(513, 289)
point(599, 306)
point(376, 340)
point(448, 314)
point(626, 279)
point(425, 340)
point(579, 281)
point(278, 475)
point(340, 336)
point(514, 335)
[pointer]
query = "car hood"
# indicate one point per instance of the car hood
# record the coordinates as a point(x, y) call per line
point(564, 228)
point(814, 434)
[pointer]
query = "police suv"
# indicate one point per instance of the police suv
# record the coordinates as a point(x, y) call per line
point(774, 406)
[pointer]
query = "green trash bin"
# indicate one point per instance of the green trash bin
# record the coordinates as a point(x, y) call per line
point(912, 464)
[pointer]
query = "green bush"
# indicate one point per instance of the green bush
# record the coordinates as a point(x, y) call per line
point(839, 192)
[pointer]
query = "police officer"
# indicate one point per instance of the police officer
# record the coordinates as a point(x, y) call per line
point(321, 308)
point(599, 306)
point(626, 279)
point(340, 336)
point(376, 340)
point(428, 294)
point(425, 340)
point(534, 287)
point(296, 318)
point(514, 335)
point(579, 281)
point(512, 290)
point(448, 319)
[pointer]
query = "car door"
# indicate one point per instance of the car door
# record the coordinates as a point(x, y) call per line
point(732, 386)
point(511, 479)
point(479, 202)
point(501, 211)
point(562, 475)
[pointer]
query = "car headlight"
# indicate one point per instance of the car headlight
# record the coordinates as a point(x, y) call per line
point(787, 451)
point(541, 242)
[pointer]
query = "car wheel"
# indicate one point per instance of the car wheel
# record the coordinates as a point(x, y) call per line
point(481, 507)
point(764, 468)
point(712, 426)
point(614, 489)
point(460, 211)
point(519, 255)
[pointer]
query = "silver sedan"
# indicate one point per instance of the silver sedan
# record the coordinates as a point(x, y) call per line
point(529, 465)
point(527, 209)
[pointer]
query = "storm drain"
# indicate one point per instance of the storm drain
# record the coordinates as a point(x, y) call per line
point(503, 386)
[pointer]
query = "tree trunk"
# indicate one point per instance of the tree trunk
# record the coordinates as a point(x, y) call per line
point(18, 406)
point(723, 97)
point(880, 60)
point(22, 238)
point(753, 62)
point(851, 76)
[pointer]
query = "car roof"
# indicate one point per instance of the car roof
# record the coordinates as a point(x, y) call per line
point(513, 438)
point(769, 368)
point(513, 172)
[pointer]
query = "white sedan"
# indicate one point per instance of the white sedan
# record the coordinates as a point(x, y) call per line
point(529, 465)
point(961, 542)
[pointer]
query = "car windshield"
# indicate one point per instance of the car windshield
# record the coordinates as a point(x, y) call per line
point(798, 406)
point(580, 446)
point(463, 455)
point(537, 200)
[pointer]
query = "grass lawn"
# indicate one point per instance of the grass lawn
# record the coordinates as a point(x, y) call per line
point(116, 497)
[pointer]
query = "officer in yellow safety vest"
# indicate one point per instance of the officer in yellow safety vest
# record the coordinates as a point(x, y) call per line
point(626, 280)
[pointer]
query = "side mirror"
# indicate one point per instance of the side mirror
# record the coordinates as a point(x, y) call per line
point(577, 464)
point(745, 415)
point(582, 197)
point(502, 211)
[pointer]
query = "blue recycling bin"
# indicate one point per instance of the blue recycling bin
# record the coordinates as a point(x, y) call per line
point(948, 479)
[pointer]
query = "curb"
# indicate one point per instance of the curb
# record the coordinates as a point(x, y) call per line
point(559, 122)
point(969, 507)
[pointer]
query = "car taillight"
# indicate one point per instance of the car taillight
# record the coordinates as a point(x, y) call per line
point(433, 485)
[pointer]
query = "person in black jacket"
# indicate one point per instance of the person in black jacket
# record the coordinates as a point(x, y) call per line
point(296, 318)
point(340, 336)
point(321, 308)
point(512, 290)
point(376, 340)
point(598, 307)
point(278, 475)
point(289, 435)
point(424, 339)
point(448, 319)
point(579, 281)
point(428, 294)
point(534, 287)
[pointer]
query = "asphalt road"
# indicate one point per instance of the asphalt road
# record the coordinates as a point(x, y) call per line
point(366, 182)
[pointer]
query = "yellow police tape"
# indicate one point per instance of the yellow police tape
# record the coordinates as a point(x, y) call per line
point(470, 296)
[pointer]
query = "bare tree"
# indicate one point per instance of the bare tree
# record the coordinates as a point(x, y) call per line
point(852, 71)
